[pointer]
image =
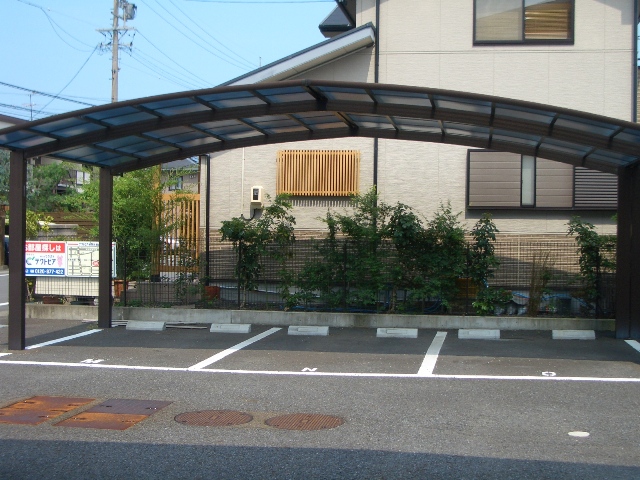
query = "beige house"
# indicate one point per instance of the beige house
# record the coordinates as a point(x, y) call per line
point(577, 54)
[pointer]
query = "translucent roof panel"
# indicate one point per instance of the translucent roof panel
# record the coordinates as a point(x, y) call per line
point(585, 126)
point(402, 98)
point(320, 120)
point(286, 95)
point(462, 105)
point(232, 99)
point(523, 114)
point(180, 125)
point(372, 121)
point(418, 125)
point(461, 129)
point(346, 94)
point(180, 106)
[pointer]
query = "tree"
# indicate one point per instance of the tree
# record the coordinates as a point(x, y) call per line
point(138, 225)
point(596, 256)
point(42, 188)
point(252, 238)
point(4, 177)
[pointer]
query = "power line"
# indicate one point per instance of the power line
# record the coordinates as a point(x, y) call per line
point(17, 107)
point(193, 41)
point(153, 72)
point(239, 2)
point(153, 65)
point(168, 57)
point(264, 3)
point(57, 97)
point(69, 82)
point(206, 32)
point(54, 25)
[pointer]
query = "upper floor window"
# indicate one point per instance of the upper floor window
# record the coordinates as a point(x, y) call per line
point(176, 184)
point(523, 21)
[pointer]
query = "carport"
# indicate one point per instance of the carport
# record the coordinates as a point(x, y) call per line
point(127, 136)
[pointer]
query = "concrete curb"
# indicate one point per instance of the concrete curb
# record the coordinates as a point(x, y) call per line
point(285, 319)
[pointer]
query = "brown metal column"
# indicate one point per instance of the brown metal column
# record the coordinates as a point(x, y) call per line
point(17, 237)
point(628, 255)
point(104, 236)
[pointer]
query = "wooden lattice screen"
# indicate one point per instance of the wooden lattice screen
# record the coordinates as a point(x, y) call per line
point(187, 214)
point(318, 172)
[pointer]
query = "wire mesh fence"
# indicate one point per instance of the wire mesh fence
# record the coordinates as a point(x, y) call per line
point(541, 277)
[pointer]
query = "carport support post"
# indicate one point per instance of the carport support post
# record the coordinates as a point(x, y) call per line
point(628, 254)
point(17, 237)
point(104, 256)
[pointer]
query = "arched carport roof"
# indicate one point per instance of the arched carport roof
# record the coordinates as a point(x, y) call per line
point(139, 133)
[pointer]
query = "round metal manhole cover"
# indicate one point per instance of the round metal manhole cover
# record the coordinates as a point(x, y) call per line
point(214, 418)
point(304, 421)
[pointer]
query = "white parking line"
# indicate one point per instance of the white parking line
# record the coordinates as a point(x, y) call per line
point(3, 304)
point(430, 359)
point(63, 339)
point(4, 354)
point(326, 374)
point(634, 344)
point(235, 348)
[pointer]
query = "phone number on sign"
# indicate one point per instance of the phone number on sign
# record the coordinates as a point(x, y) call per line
point(44, 271)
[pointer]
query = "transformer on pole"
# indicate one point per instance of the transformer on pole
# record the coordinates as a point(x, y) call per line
point(122, 10)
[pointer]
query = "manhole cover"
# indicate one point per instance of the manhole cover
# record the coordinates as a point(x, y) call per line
point(214, 418)
point(304, 421)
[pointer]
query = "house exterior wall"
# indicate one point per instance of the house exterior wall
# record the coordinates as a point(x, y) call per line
point(430, 44)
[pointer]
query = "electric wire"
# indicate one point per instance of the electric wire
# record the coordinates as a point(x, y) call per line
point(156, 69)
point(239, 2)
point(20, 108)
point(245, 63)
point(151, 72)
point(169, 58)
point(161, 70)
point(54, 24)
point(206, 32)
point(69, 82)
point(31, 90)
point(243, 68)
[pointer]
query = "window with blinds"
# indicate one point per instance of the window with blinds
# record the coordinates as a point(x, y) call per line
point(511, 181)
point(523, 21)
point(318, 173)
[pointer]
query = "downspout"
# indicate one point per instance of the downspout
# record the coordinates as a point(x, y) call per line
point(634, 111)
point(376, 79)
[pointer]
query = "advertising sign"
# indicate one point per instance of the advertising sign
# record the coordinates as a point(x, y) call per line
point(46, 259)
point(83, 259)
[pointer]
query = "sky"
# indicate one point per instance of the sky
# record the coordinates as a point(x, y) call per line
point(54, 47)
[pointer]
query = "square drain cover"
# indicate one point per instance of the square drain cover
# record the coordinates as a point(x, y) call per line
point(106, 421)
point(129, 407)
point(36, 410)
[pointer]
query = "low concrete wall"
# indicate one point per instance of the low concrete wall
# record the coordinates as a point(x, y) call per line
point(186, 315)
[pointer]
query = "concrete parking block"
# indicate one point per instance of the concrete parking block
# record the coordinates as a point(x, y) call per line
point(230, 328)
point(397, 333)
point(146, 325)
point(573, 334)
point(308, 330)
point(478, 334)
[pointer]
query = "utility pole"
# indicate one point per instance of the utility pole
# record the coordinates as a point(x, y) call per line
point(128, 13)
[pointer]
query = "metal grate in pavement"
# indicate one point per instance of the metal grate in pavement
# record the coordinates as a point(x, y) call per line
point(105, 421)
point(36, 410)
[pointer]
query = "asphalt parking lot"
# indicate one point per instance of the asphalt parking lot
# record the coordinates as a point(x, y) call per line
point(435, 406)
